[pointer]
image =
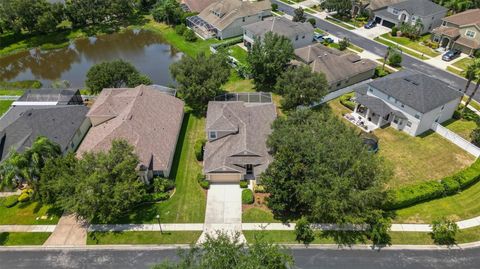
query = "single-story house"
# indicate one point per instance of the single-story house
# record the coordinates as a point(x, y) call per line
point(147, 118)
point(410, 11)
point(197, 5)
point(341, 69)
point(224, 18)
point(408, 101)
point(49, 97)
point(65, 125)
point(301, 34)
point(236, 140)
point(460, 31)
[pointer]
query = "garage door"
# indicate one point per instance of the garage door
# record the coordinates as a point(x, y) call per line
point(388, 24)
point(225, 178)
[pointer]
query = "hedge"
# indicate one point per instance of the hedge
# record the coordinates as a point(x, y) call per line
point(198, 147)
point(345, 100)
point(243, 184)
point(228, 43)
point(247, 196)
point(429, 190)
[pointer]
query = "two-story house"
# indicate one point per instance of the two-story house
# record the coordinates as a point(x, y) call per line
point(408, 101)
point(237, 133)
point(301, 34)
point(460, 31)
point(426, 12)
point(224, 18)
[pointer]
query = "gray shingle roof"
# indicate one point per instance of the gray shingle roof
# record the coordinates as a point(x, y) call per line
point(62, 97)
point(377, 105)
point(244, 145)
point(281, 26)
point(419, 91)
point(420, 7)
point(58, 123)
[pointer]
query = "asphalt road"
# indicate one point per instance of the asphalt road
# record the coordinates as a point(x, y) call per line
point(379, 49)
point(304, 258)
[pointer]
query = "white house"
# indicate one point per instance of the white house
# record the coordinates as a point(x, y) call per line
point(408, 101)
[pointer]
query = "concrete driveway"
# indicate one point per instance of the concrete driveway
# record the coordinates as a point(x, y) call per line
point(372, 33)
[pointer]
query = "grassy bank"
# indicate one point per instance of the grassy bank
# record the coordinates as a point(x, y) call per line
point(129, 238)
point(26, 239)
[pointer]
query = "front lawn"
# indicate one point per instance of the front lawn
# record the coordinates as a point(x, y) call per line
point(461, 127)
point(415, 45)
point(29, 213)
point(258, 215)
point(393, 45)
point(188, 203)
point(25, 239)
point(133, 238)
point(463, 63)
point(4, 106)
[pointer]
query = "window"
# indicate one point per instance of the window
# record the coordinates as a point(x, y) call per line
point(212, 135)
point(370, 89)
point(296, 37)
point(417, 116)
point(395, 11)
point(303, 37)
point(243, 19)
point(470, 33)
point(444, 23)
point(442, 107)
point(409, 123)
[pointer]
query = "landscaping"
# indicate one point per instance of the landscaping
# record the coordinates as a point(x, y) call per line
point(413, 44)
point(393, 45)
point(26, 239)
point(132, 238)
point(28, 213)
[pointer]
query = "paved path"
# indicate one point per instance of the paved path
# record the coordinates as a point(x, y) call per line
point(27, 228)
point(146, 227)
point(224, 211)
point(68, 232)
point(6, 194)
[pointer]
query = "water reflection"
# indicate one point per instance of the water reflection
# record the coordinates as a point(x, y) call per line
point(147, 51)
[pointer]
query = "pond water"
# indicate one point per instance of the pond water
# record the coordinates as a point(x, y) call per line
point(147, 51)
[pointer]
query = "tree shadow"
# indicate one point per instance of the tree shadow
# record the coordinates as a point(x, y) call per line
point(180, 143)
point(4, 238)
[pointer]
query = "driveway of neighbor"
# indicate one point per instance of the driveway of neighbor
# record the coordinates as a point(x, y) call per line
point(373, 32)
point(68, 232)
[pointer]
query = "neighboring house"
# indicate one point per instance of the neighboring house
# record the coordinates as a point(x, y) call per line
point(460, 31)
point(148, 119)
point(197, 5)
point(408, 101)
point(301, 34)
point(49, 97)
point(225, 18)
point(410, 11)
point(65, 125)
point(237, 133)
point(341, 69)
point(370, 6)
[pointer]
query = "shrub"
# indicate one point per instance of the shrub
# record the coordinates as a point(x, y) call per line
point(274, 7)
point(312, 21)
point(451, 185)
point(476, 54)
point(24, 197)
point(394, 31)
point(345, 100)
point(444, 231)
point(200, 177)
point(475, 136)
point(395, 59)
point(199, 146)
point(10, 201)
point(343, 44)
point(180, 29)
point(163, 184)
point(259, 189)
point(303, 232)
point(380, 72)
point(243, 184)
point(247, 196)
point(205, 184)
point(189, 35)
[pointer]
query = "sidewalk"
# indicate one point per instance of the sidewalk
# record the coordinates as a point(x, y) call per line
point(6, 194)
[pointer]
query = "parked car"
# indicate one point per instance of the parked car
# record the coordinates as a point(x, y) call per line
point(450, 55)
point(318, 37)
point(370, 24)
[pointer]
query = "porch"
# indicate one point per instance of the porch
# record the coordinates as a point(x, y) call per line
point(201, 27)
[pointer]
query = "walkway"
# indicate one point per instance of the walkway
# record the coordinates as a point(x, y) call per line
point(68, 232)
point(6, 194)
point(224, 211)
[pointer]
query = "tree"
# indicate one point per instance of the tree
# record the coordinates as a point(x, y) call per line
point(322, 170)
point(189, 35)
point(343, 44)
point(114, 74)
point(304, 232)
point(221, 251)
point(301, 87)
point(268, 59)
point(274, 7)
point(475, 135)
point(395, 58)
point(299, 15)
point(168, 11)
point(444, 231)
point(200, 78)
point(340, 6)
point(474, 68)
point(101, 186)
point(312, 21)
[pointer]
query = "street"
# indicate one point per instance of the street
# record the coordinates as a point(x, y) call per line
point(304, 258)
point(379, 49)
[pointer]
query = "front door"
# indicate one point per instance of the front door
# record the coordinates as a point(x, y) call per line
point(249, 169)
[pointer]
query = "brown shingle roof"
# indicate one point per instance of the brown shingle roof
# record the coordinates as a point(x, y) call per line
point(469, 17)
point(198, 5)
point(147, 118)
point(448, 31)
point(470, 43)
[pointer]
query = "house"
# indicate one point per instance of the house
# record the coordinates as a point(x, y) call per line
point(460, 31)
point(224, 18)
point(197, 5)
point(301, 34)
point(49, 97)
point(237, 133)
point(408, 101)
point(370, 6)
point(147, 118)
point(410, 12)
point(341, 69)
point(65, 125)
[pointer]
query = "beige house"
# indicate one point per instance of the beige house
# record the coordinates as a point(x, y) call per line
point(460, 31)
point(146, 117)
point(341, 69)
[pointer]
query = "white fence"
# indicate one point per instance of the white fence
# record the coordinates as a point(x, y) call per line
point(456, 139)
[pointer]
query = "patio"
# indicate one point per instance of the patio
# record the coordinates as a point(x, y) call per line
point(360, 121)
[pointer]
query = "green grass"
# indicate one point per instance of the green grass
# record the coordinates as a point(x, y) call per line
point(409, 52)
point(339, 23)
point(188, 203)
point(237, 84)
point(310, 11)
point(463, 63)
point(4, 106)
point(23, 84)
point(421, 158)
point(415, 45)
point(281, 237)
point(320, 31)
point(461, 127)
point(238, 53)
point(27, 214)
point(133, 238)
point(11, 92)
point(288, 2)
point(456, 71)
point(278, 13)
point(257, 215)
point(355, 48)
point(26, 239)
point(473, 103)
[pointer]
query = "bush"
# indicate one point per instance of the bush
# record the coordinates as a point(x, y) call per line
point(10, 201)
point(190, 35)
point(444, 231)
point(451, 185)
point(230, 42)
point(163, 184)
point(475, 136)
point(476, 54)
point(380, 72)
point(395, 59)
point(394, 31)
point(243, 184)
point(180, 29)
point(247, 196)
point(155, 197)
point(274, 7)
point(205, 184)
point(312, 21)
point(259, 189)
point(200, 177)
point(199, 147)
point(345, 100)
point(343, 44)
point(24, 197)
point(303, 232)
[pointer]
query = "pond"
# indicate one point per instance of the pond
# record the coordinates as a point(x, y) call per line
point(147, 51)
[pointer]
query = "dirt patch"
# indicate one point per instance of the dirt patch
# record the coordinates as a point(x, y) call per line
point(260, 202)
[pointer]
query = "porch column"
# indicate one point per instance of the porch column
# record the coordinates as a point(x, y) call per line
point(379, 123)
point(356, 108)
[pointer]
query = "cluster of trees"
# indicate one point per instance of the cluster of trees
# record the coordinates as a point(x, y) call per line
point(458, 5)
point(322, 171)
point(86, 12)
point(342, 7)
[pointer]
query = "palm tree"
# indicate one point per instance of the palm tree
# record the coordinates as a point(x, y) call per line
point(475, 73)
point(470, 76)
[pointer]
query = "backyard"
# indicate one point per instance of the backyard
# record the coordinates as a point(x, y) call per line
point(238, 53)
point(462, 127)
